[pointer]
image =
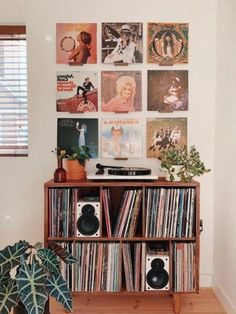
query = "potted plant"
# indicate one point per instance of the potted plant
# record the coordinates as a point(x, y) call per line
point(75, 162)
point(30, 274)
point(172, 162)
point(179, 164)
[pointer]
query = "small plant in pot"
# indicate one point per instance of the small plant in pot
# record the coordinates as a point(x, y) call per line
point(189, 164)
point(172, 161)
point(30, 274)
point(75, 162)
point(79, 153)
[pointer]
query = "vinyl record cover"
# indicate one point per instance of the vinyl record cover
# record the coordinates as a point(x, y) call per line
point(168, 90)
point(122, 42)
point(78, 132)
point(77, 91)
point(121, 138)
point(164, 133)
point(121, 91)
point(76, 43)
point(167, 43)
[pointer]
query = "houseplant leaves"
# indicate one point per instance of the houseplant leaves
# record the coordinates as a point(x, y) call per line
point(31, 286)
point(8, 296)
point(49, 260)
point(10, 256)
point(58, 289)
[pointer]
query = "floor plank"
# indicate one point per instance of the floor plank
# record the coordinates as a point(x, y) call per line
point(203, 303)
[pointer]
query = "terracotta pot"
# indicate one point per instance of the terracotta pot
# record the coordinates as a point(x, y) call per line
point(75, 171)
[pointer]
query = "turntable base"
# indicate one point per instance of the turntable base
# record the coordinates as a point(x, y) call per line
point(121, 177)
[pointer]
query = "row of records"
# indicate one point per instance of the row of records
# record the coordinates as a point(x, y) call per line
point(122, 42)
point(121, 91)
point(121, 137)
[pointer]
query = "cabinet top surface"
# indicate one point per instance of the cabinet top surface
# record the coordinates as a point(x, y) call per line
point(86, 183)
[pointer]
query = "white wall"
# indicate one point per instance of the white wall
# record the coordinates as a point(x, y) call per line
point(21, 186)
point(224, 279)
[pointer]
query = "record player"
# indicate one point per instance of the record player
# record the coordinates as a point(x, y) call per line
point(121, 173)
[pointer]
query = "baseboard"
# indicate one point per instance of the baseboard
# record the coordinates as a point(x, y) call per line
point(205, 280)
point(223, 298)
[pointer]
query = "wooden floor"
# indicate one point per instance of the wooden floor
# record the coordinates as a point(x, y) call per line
point(203, 303)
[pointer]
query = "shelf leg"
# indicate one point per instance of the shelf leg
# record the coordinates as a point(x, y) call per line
point(176, 303)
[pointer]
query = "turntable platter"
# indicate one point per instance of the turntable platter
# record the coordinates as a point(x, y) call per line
point(129, 171)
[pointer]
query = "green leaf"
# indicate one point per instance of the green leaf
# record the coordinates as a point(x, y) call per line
point(8, 296)
point(4, 279)
point(80, 153)
point(62, 253)
point(10, 256)
point(49, 260)
point(58, 289)
point(31, 286)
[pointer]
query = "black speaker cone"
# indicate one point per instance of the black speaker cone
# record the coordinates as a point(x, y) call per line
point(87, 225)
point(157, 279)
point(88, 210)
point(158, 264)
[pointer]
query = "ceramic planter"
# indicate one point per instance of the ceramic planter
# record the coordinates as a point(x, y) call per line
point(75, 171)
point(172, 175)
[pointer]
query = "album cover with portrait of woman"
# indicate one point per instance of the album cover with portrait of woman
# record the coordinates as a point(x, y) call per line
point(77, 91)
point(122, 42)
point(121, 138)
point(121, 91)
point(78, 132)
point(76, 43)
point(167, 90)
point(167, 43)
point(165, 133)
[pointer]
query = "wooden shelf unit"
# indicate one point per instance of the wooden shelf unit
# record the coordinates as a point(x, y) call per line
point(172, 243)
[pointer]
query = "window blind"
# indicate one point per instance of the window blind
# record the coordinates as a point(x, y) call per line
point(13, 91)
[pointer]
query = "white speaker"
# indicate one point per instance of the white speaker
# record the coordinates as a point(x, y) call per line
point(157, 271)
point(88, 218)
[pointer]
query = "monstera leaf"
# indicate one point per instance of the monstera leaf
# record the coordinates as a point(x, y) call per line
point(49, 260)
point(10, 256)
point(31, 286)
point(58, 289)
point(62, 253)
point(8, 296)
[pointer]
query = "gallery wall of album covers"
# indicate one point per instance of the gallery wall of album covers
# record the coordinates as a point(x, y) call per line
point(122, 88)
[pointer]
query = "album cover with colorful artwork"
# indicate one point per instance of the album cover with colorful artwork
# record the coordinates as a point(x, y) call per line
point(76, 43)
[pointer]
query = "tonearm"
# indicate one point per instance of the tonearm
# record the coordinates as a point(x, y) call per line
point(102, 167)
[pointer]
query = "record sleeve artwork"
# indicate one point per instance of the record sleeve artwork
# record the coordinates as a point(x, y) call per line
point(167, 90)
point(76, 43)
point(78, 132)
point(167, 43)
point(121, 138)
point(121, 91)
point(77, 91)
point(122, 42)
point(165, 133)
